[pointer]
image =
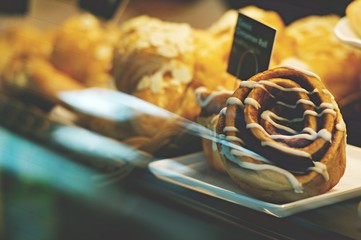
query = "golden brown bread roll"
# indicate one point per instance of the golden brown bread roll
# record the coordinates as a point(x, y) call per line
point(353, 15)
point(223, 30)
point(315, 47)
point(25, 71)
point(210, 70)
point(16, 39)
point(293, 124)
point(83, 49)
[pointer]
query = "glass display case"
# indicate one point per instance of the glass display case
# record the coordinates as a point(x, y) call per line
point(120, 119)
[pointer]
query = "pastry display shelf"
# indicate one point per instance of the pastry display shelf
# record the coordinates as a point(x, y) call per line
point(147, 201)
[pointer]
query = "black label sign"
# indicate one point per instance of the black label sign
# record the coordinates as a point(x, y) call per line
point(104, 9)
point(14, 7)
point(251, 49)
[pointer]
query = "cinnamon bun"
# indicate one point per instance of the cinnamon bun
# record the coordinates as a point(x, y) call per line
point(211, 103)
point(293, 125)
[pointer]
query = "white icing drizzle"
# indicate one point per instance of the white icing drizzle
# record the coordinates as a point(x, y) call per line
point(252, 102)
point(341, 126)
point(245, 154)
point(321, 169)
point(327, 105)
point(282, 148)
point(301, 101)
point(329, 93)
point(200, 90)
point(309, 73)
point(234, 100)
point(335, 106)
point(210, 97)
point(266, 115)
point(313, 113)
point(323, 133)
point(235, 139)
point(253, 84)
point(312, 135)
point(223, 111)
point(230, 129)
point(231, 155)
point(307, 133)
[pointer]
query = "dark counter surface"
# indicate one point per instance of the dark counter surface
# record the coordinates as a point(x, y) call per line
point(48, 195)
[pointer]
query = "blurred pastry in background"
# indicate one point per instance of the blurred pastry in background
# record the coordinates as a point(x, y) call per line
point(158, 61)
point(154, 61)
point(164, 63)
point(315, 48)
point(25, 70)
point(83, 49)
point(210, 70)
point(16, 41)
point(37, 78)
point(353, 15)
point(223, 30)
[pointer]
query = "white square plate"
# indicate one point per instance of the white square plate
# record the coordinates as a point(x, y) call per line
point(191, 171)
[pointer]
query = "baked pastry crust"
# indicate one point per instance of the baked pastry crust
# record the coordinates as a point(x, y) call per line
point(314, 46)
point(211, 102)
point(223, 30)
point(83, 49)
point(300, 144)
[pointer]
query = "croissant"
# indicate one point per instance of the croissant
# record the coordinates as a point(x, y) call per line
point(293, 125)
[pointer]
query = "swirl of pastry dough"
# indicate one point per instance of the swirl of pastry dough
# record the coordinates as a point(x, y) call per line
point(294, 125)
point(211, 103)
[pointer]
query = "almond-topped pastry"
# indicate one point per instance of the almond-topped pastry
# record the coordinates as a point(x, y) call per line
point(293, 125)
point(155, 61)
